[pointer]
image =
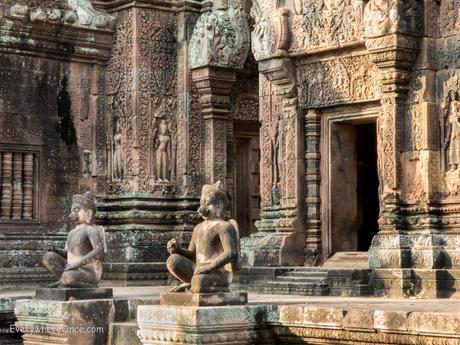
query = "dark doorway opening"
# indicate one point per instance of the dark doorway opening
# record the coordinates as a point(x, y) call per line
point(246, 203)
point(353, 186)
point(368, 184)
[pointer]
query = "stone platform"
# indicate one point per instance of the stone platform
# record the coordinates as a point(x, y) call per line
point(289, 319)
point(63, 294)
point(235, 325)
point(83, 322)
point(203, 299)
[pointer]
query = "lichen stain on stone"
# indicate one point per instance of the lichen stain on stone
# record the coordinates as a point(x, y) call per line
point(66, 127)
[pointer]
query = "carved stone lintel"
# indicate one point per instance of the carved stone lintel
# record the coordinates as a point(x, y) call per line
point(215, 85)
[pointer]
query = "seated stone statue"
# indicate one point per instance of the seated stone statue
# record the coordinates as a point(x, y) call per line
point(214, 250)
point(79, 264)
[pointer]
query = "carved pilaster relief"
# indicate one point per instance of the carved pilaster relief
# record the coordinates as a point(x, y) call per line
point(119, 83)
point(313, 180)
point(390, 132)
point(142, 83)
point(272, 139)
point(450, 133)
point(344, 80)
point(414, 120)
point(214, 85)
point(156, 107)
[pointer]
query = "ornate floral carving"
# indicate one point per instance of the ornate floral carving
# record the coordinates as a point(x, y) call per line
point(220, 38)
point(449, 17)
point(245, 102)
point(119, 81)
point(338, 81)
point(414, 122)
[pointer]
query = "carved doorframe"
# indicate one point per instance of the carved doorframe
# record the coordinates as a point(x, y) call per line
point(355, 114)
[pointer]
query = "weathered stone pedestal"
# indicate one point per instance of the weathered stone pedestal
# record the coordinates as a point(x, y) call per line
point(189, 322)
point(68, 322)
point(203, 299)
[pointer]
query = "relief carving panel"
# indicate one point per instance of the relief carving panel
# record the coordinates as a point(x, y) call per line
point(244, 103)
point(142, 149)
point(383, 17)
point(156, 123)
point(331, 82)
point(320, 24)
point(220, 38)
point(120, 112)
point(272, 144)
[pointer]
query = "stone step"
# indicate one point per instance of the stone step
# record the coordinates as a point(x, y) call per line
point(305, 279)
point(126, 308)
point(313, 274)
point(124, 333)
point(297, 288)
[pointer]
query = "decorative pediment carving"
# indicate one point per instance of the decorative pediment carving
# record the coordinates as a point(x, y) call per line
point(73, 12)
point(221, 38)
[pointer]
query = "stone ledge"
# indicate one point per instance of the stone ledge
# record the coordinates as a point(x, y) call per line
point(77, 294)
point(367, 320)
point(236, 325)
point(203, 299)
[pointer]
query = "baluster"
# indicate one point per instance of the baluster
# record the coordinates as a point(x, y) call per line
point(17, 186)
point(28, 186)
point(7, 171)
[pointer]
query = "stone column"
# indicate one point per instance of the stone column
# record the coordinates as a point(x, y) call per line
point(281, 237)
point(404, 241)
point(214, 85)
point(148, 194)
point(390, 247)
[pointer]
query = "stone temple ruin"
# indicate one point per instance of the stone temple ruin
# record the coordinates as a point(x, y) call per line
point(333, 124)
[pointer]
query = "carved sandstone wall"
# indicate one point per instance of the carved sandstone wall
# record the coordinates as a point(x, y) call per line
point(48, 106)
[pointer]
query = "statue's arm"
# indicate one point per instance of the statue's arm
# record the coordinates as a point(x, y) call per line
point(189, 253)
point(61, 252)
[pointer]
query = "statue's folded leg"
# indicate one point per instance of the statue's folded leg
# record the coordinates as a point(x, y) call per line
point(54, 263)
point(181, 267)
point(80, 278)
point(215, 281)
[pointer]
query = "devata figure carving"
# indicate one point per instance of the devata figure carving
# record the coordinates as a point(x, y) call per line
point(213, 255)
point(79, 264)
point(451, 144)
point(162, 151)
point(117, 152)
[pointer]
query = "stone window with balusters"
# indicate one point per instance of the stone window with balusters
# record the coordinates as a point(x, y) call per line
point(18, 185)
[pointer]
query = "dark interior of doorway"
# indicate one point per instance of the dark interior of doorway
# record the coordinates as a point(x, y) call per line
point(367, 184)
